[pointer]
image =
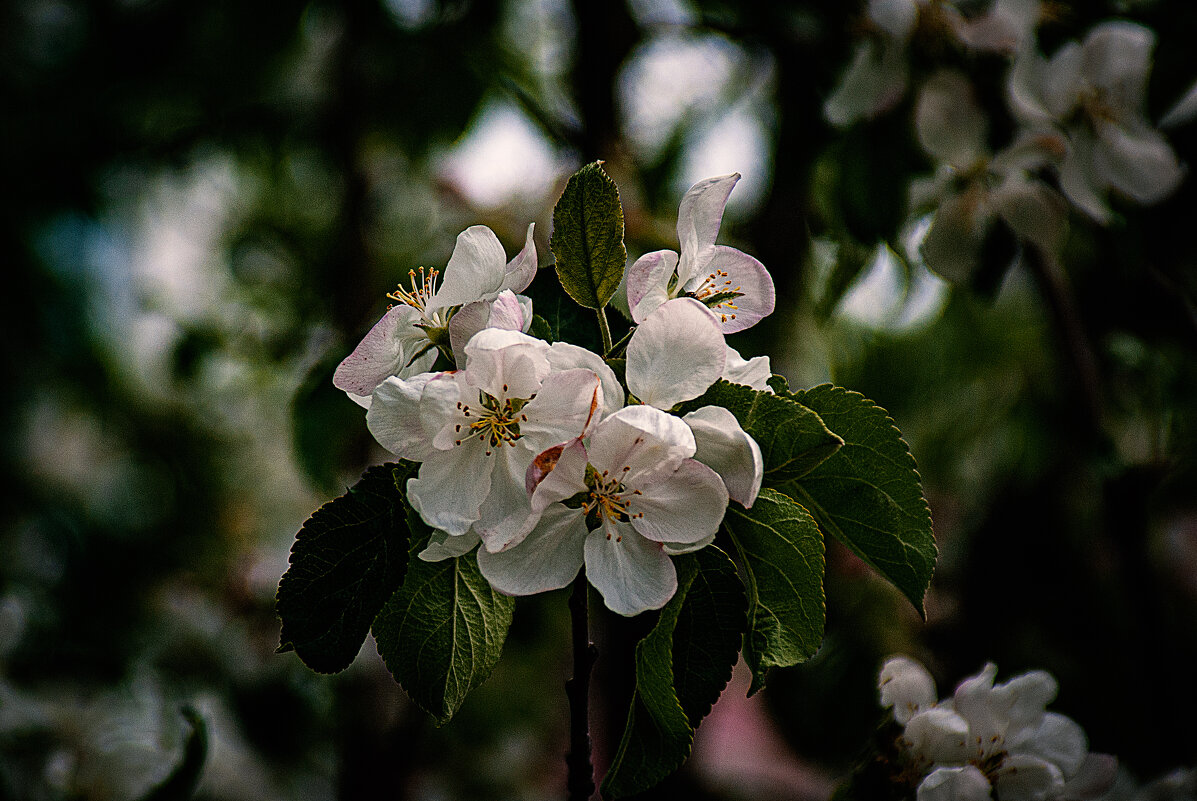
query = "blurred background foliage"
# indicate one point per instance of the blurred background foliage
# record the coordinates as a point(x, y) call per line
point(209, 204)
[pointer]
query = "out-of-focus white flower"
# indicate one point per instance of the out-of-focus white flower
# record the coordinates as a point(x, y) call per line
point(476, 431)
point(972, 187)
point(1095, 93)
point(734, 285)
point(614, 504)
point(906, 686)
point(479, 283)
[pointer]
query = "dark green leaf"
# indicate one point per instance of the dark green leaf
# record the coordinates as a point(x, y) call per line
point(869, 494)
point(587, 239)
point(541, 329)
point(781, 551)
point(348, 559)
point(326, 426)
point(181, 783)
point(682, 666)
point(793, 439)
point(442, 633)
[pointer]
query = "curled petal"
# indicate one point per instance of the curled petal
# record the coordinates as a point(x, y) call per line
point(547, 559)
point(442, 546)
point(684, 506)
point(563, 356)
point(754, 372)
point(385, 350)
point(679, 548)
point(398, 422)
point(1027, 778)
point(675, 354)
point(639, 442)
point(506, 364)
point(698, 219)
point(506, 311)
point(1056, 738)
point(567, 405)
point(731, 270)
point(720, 443)
point(556, 474)
point(631, 573)
point(475, 271)
point(939, 735)
point(522, 269)
point(648, 282)
point(955, 784)
point(907, 687)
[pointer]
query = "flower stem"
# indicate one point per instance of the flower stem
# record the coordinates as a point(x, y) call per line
point(580, 784)
point(604, 330)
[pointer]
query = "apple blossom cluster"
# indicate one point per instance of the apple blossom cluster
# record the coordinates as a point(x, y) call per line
point(536, 453)
point(990, 741)
point(1081, 128)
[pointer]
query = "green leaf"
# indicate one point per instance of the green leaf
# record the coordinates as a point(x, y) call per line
point(781, 550)
point(793, 439)
point(442, 633)
point(587, 239)
point(348, 559)
point(541, 329)
point(682, 666)
point(869, 494)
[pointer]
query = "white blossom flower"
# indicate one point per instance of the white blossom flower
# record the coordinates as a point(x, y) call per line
point(476, 431)
point(732, 284)
point(478, 279)
point(906, 686)
point(613, 504)
point(1095, 93)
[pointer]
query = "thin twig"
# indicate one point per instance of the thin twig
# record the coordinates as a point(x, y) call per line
point(580, 783)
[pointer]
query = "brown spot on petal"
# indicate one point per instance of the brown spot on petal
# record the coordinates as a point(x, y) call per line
point(541, 466)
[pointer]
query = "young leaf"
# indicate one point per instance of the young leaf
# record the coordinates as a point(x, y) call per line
point(869, 495)
point(781, 550)
point(682, 666)
point(348, 558)
point(793, 439)
point(587, 239)
point(442, 633)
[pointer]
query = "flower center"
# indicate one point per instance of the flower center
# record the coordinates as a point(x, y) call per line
point(607, 499)
point(423, 287)
point(493, 422)
point(717, 293)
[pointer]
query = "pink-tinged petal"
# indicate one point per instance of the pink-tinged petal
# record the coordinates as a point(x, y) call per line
point(506, 364)
point(954, 784)
point(675, 354)
point(1117, 59)
point(631, 573)
point(507, 312)
point(872, 84)
point(949, 124)
point(502, 516)
point(564, 356)
point(522, 269)
point(939, 735)
point(451, 486)
point(754, 372)
point(525, 310)
point(382, 353)
point(547, 559)
point(1055, 738)
point(734, 271)
point(638, 442)
point(686, 505)
point(725, 447)
point(475, 270)
point(1094, 778)
point(556, 474)
point(1007, 27)
point(469, 320)
point(907, 687)
point(679, 548)
point(397, 420)
point(648, 282)
point(1027, 778)
point(443, 546)
point(568, 405)
point(1137, 161)
point(698, 219)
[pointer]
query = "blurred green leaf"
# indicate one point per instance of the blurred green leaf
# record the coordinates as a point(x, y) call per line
point(326, 426)
point(442, 633)
point(348, 559)
point(587, 239)
point(781, 550)
point(541, 329)
point(682, 666)
point(869, 494)
point(793, 439)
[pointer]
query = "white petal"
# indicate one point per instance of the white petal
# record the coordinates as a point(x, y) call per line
point(547, 559)
point(639, 441)
point(949, 124)
point(698, 219)
point(396, 419)
point(522, 269)
point(451, 486)
point(507, 311)
point(1095, 776)
point(566, 406)
point(382, 353)
point(1117, 59)
point(873, 83)
point(985, 710)
point(679, 548)
point(955, 784)
point(1007, 27)
point(1033, 210)
point(1137, 161)
point(1055, 738)
point(754, 372)
point(1078, 180)
point(443, 546)
point(1026, 696)
point(906, 686)
point(1183, 111)
point(731, 270)
point(632, 574)
point(675, 354)
point(1064, 80)
point(1025, 89)
point(953, 241)
point(1027, 778)
point(469, 320)
point(939, 735)
point(564, 356)
point(1031, 150)
point(556, 474)
point(895, 17)
point(686, 505)
point(501, 517)
point(475, 270)
point(721, 444)
point(648, 282)
point(506, 364)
